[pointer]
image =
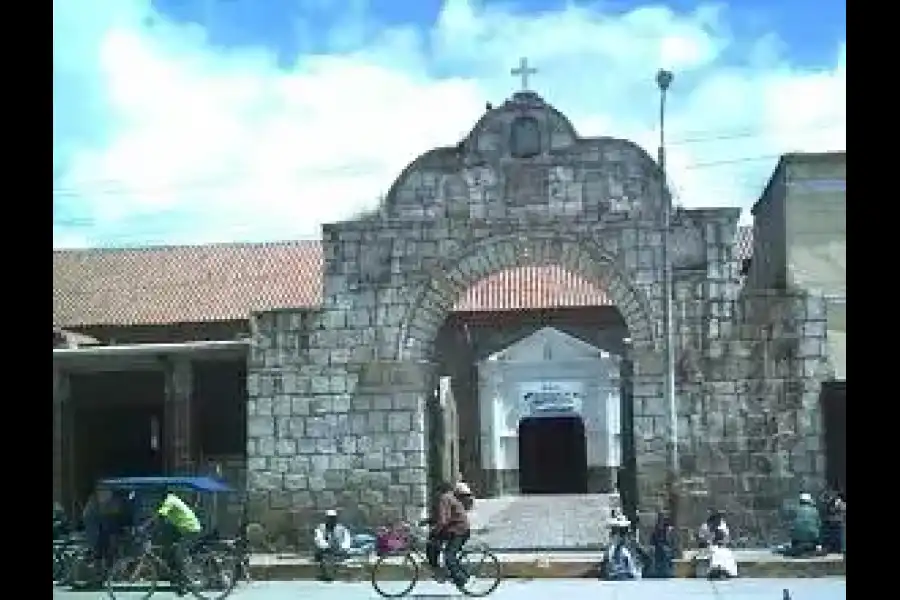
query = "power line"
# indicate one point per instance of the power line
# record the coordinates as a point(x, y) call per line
point(690, 137)
point(210, 186)
point(750, 133)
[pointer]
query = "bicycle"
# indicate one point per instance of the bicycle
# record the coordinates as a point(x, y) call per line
point(208, 572)
point(473, 559)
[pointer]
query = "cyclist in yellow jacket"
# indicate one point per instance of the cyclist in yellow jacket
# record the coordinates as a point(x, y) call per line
point(177, 521)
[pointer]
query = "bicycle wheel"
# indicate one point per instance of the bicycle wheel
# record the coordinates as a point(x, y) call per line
point(483, 569)
point(395, 576)
point(211, 573)
point(82, 569)
point(132, 575)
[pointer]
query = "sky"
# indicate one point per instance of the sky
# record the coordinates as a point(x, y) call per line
point(199, 121)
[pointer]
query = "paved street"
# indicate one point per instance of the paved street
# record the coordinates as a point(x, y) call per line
point(680, 589)
point(558, 521)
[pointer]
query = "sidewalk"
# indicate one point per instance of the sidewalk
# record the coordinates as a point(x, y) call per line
point(558, 565)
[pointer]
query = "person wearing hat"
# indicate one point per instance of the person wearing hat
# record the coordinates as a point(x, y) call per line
point(620, 564)
point(332, 541)
point(806, 527)
point(715, 522)
point(451, 530)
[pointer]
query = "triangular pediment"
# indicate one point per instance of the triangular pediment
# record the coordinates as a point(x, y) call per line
point(547, 344)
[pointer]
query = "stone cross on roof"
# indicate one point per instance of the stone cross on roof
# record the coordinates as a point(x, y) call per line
point(523, 70)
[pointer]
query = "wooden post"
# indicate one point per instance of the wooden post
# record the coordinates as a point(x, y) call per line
point(178, 429)
point(61, 396)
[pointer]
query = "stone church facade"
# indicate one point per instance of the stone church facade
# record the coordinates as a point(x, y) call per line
point(339, 397)
point(340, 385)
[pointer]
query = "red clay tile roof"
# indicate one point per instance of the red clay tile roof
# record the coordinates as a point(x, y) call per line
point(220, 282)
point(531, 287)
point(183, 284)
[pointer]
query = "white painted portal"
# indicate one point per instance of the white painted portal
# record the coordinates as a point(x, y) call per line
point(549, 373)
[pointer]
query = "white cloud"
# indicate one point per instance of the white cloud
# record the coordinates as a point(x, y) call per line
point(167, 139)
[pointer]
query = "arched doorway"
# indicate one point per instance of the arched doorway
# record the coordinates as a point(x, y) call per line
point(552, 455)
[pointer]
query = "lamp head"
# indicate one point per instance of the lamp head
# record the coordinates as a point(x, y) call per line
point(664, 79)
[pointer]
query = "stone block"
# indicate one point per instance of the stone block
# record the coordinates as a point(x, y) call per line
point(299, 465)
point(373, 460)
point(335, 479)
point(257, 463)
point(293, 482)
point(317, 427)
point(260, 426)
point(371, 497)
point(382, 403)
point(410, 476)
point(399, 421)
point(406, 401)
point(341, 403)
point(320, 385)
point(285, 447)
point(265, 446)
point(265, 480)
point(377, 421)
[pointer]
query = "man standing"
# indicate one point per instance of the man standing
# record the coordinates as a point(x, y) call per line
point(332, 541)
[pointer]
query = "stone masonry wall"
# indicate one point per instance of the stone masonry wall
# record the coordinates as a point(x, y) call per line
point(337, 397)
point(751, 435)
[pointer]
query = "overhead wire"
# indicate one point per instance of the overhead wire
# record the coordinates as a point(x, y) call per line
point(87, 222)
point(690, 137)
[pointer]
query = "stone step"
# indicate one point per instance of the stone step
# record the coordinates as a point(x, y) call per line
point(544, 522)
point(751, 564)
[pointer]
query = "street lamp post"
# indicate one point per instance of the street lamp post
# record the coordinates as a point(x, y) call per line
point(663, 81)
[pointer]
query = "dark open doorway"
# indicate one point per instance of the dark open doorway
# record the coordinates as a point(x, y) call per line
point(834, 419)
point(118, 421)
point(552, 455)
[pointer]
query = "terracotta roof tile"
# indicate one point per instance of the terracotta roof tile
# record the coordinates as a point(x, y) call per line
point(546, 286)
point(183, 284)
point(218, 282)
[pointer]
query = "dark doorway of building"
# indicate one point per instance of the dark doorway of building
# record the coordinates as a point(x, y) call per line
point(552, 455)
point(220, 404)
point(118, 427)
point(834, 418)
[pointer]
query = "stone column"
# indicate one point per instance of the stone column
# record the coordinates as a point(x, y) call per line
point(61, 397)
point(177, 432)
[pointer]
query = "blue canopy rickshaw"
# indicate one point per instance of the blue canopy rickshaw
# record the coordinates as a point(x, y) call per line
point(159, 483)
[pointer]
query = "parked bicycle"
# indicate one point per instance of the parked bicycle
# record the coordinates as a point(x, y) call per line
point(405, 566)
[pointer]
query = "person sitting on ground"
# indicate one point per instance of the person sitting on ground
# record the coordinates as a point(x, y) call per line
point(620, 563)
point(806, 528)
point(332, 541)
point(832, 516)
point(663, 548)
point(715, 522)
point(451, 531)
point(177, 524)
point(722, 564)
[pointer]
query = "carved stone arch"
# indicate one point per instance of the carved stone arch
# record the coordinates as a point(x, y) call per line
point(436, 294)
point(437, 160)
